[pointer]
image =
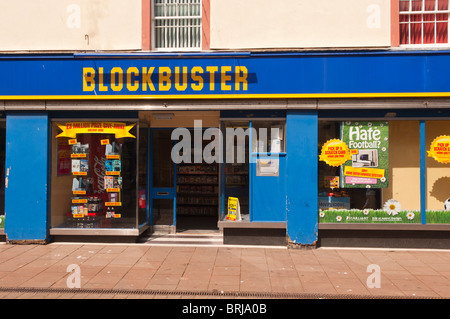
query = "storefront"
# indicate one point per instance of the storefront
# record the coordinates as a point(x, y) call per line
point(168, 172)
point(383, 178)
point(297, 149)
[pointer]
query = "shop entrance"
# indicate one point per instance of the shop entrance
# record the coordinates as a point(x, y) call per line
point(185, 196)
point(162, 179)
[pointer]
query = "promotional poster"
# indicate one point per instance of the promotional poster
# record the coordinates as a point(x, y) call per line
point(368, 144)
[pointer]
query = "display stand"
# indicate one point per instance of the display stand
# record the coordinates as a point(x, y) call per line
point(81, 202)
point(113, 185)
point(234, 209)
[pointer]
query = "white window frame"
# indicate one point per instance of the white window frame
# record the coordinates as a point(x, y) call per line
point(176, 17)
point(422, 12)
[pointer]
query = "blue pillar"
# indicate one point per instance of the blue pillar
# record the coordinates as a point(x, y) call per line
point(301, 193)
point(26, 187)
point(423, 174)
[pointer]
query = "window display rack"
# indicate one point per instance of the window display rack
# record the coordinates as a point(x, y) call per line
point(88, 208)
point(197, 189)
point(236, 175)
point(237, 183)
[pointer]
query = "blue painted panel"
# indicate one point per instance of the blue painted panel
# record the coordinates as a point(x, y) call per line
point(26, 194)
point(163, 192)
point(375, 74)
point(301, 174)
point(379, 73)
point(268, 194)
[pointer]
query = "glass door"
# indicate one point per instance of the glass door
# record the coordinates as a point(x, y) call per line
point(163, 178)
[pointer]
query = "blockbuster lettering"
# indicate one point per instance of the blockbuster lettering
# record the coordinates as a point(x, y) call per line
point(164, 79)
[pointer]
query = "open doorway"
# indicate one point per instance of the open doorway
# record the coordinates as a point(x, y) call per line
point(197, 197)
point(185, 196)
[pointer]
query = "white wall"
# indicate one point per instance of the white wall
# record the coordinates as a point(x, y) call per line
point(247, 24)
point(70, 25)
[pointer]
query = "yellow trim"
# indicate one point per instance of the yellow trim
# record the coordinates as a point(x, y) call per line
point(223, 96)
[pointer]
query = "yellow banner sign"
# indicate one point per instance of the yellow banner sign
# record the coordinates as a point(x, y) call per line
point(363, 172)
point(83, 155)
point(113, 203)
point(440, 149)
point(71, 129)
point(79, 173)
point(79, 201)
point(335, 153)
point(108, 173)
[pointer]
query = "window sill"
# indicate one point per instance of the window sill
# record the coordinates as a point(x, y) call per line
point(361, 226)
point(249, 224)
point(413, 47)
point(270, 154)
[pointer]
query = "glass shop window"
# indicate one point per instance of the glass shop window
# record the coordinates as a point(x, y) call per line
point(369, 172)
point(236, 168)
point(437, 142)
point(268, 136)
point(94, 180)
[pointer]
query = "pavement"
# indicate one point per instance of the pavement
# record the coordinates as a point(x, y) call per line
point(164, 270)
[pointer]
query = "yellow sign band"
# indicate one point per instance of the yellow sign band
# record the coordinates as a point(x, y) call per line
point(71, 129)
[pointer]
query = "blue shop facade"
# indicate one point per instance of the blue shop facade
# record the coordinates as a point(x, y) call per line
point(296, 149)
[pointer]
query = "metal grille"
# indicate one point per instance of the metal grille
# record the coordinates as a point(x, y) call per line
point(177, 24)
point(186, 293)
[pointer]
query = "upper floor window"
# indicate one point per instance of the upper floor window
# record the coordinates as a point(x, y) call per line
point(177, 24)
point(424, 22)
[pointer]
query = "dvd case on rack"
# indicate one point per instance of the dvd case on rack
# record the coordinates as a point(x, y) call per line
point(109, 182)
point(75, 165)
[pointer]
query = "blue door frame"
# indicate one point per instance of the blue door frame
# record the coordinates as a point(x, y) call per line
point(160, 192)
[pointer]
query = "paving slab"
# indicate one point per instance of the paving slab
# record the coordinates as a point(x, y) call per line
point(147, 270)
